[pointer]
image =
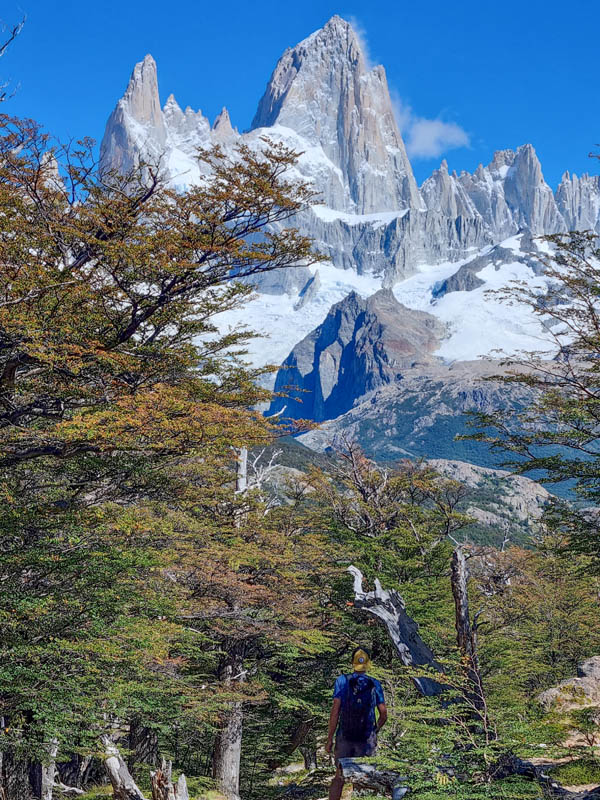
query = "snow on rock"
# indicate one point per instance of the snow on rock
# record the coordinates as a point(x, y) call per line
point(479, 323)
point(323, 90)
point(281, 321)
point(440, 248)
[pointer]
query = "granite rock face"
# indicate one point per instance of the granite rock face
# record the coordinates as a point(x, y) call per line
point(323, 90)
point(361, 345)
point(578, 200)
point(222, 129)
point(421, 414)
point(324, 101)
point(137, 123)
point(509, 195)
point(528, 196)
point(392, 245)
point(140, 130)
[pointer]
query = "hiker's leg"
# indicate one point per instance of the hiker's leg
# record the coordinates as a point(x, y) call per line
point(337, 785)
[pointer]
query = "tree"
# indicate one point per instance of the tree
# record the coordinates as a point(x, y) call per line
point(254, 586)
point(9, 35)
point(395, 521)
point(119, 407)
point(556, 436)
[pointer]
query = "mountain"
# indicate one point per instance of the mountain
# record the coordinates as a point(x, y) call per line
point(322, 90)
point(140, 130)
point(508, 195)
point(421, 415)
point(390, 336)
point(324, 102)
point(578, 200)
point(361, 345)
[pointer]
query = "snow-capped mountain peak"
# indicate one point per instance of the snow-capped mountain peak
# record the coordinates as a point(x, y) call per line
point(323, 89)
point(324, 101)
point(137, 123)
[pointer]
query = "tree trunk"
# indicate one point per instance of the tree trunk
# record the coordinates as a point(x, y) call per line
point(80, 770)
point(241, 477)
point(227, 753)
point(302, 738)
point(389, 607)
point(16, 783)
point(465, 634)
point(49, 771)
point(228, 744)
point(124, 787)
point(309, 754)
point(509, 764)
point(466, 637)
point(162, 784)
point(143, 746)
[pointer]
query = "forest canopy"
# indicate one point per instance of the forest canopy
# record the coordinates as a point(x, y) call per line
point(174, 568)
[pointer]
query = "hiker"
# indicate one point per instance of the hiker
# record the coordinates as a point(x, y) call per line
point(355, 697)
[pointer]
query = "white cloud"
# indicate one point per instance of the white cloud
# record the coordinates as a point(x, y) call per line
point(427, 138)
point(424, 138)
point(361, 35)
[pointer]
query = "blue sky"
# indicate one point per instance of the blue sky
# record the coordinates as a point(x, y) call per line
point(495, 75)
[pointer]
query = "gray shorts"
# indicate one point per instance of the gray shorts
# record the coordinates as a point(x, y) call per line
point(346, 749)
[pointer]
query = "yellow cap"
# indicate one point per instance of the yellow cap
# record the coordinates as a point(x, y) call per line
point(361, 661)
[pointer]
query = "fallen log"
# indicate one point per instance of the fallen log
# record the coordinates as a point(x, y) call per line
point(64, 789)
point(368, 776)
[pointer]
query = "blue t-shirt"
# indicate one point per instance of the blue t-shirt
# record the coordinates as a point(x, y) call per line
point(340, 690)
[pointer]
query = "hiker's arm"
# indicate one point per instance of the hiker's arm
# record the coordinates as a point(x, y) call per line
point(333, 721)
point(382, 708)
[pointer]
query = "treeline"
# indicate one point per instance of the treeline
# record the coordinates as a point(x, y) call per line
point(162, 595)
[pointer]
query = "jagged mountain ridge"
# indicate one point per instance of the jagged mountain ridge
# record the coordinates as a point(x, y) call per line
point(324, 101)
point(361, 345)
point(439, 247)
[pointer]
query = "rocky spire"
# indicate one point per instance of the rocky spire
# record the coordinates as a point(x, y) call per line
point(323, 90)
point(136, 121)
point(222, 129)
point(173, 115)
point(141, 98)
point(509, 194)
point(578, 200)
point(444, 193)
point(528, 195)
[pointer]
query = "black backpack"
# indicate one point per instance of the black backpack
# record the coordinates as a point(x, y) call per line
point(357, 708)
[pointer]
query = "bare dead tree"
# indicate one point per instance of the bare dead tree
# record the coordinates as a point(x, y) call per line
point(163, 787)
point(388, 606)
point(466, 637)
point(10, 35)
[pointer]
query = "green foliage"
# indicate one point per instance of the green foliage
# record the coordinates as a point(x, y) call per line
point(579, 772)
point(119, 407)
point(555, 436)
point(140, 586)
